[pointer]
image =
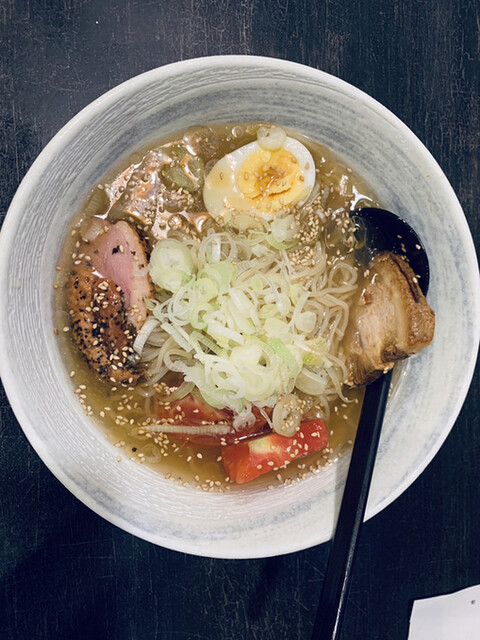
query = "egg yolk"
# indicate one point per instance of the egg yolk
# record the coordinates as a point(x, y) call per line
point(271, 180)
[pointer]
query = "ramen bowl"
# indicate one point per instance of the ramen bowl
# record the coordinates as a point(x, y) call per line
point(429, 389)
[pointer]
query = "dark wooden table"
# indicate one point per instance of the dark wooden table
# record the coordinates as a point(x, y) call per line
point(65, 572)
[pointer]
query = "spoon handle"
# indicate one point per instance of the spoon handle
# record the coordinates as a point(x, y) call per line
point(331, 608)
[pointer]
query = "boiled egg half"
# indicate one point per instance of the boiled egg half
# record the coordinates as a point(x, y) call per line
point(260, 180)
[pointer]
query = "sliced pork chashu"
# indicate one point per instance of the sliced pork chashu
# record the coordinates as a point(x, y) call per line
point(389, 321)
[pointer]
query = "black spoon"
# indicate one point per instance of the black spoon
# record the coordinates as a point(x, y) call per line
point(384, 232)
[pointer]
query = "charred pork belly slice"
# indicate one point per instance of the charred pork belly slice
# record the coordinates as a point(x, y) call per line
point(99, 326)
point(389, 321)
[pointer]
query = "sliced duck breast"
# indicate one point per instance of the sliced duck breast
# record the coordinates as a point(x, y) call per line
point(118, 254)
point(100, 328)
point(105, 297)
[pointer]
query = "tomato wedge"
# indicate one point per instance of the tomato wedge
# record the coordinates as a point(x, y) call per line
point(196, 412)
point(248, 460)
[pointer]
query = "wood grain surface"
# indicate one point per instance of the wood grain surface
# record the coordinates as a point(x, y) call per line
point(65, 572)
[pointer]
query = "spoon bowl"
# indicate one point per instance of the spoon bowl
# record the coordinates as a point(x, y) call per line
point(382, 230)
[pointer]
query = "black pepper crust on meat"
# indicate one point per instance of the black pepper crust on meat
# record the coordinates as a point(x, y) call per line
point(99, 326)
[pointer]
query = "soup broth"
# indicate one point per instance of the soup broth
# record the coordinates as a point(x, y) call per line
point(129, 192)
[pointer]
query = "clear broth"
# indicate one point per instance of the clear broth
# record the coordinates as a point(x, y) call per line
point(179, 461)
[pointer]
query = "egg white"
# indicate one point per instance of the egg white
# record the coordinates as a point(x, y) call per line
point(223, 196)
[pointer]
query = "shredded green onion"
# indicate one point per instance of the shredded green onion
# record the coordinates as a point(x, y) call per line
point(241, 311)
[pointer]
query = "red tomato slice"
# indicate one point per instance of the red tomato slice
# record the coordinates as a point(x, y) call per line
point(197, 412)
point(248, 460)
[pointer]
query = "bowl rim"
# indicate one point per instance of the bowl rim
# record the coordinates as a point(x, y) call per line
point(137, 83)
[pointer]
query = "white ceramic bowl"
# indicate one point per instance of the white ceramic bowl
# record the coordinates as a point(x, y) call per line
point(429, 390)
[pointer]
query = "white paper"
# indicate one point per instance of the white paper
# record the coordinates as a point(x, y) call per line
point(455, 616)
